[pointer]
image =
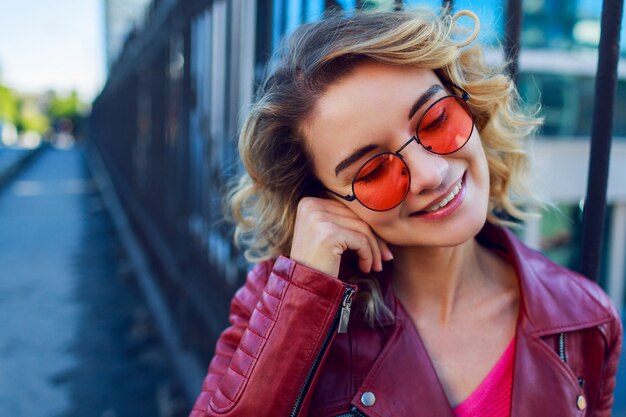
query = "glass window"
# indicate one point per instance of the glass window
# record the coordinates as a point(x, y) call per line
point(561, 234)
point(314, 10)
point(293, 9)
point(347, 5)
point(567, 103)
point(277, 22)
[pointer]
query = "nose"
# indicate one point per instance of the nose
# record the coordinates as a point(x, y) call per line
point(428, 170)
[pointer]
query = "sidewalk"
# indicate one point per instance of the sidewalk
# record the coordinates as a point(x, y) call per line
point(76, 338)
point(13, 159)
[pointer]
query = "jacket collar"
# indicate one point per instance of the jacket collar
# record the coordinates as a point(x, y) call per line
point(553, 300)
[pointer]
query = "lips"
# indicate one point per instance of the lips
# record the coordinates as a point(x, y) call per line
point(443, 199)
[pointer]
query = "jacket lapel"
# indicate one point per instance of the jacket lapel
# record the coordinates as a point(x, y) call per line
point(404, 358)
point(552, 298)
point(543, 385)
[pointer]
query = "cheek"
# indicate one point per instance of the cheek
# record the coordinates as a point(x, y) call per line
point(478, 157)
point(481, 174)
point(378, 221)
point(383, 224)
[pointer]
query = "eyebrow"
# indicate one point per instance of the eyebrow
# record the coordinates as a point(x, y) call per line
point(359, 153)
point(432, 90)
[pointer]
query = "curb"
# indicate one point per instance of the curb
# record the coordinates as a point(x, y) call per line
point(9, 173)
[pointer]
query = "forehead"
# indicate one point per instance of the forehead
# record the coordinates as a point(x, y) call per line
point(360, 108)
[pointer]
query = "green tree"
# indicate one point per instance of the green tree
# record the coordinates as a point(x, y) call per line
point(8, 105)
point(31, 118)
point(64, 106)
point(69, 107)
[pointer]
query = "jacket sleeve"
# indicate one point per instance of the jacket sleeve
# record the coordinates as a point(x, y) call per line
point(607, 386)
point(265, 361)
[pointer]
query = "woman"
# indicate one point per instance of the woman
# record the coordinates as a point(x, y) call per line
point(382, 158)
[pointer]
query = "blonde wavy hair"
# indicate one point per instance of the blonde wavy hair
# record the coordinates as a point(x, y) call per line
point(264, 200)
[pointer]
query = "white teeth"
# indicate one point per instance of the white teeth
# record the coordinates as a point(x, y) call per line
point(447, 198)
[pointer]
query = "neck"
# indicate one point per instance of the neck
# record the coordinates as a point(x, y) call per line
point(436, 283)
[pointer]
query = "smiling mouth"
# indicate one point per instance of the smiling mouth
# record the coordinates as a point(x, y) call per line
point(445, 201)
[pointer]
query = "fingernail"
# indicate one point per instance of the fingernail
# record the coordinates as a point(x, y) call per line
point(388, 255)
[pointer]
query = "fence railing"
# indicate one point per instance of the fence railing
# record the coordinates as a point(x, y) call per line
point(601, 137)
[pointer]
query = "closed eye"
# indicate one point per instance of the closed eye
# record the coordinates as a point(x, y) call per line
point(437, 123)
point(372, 173)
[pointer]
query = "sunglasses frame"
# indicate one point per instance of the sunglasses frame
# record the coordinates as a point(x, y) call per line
point(464, 95)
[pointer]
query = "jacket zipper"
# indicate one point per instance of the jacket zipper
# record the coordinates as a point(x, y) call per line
point(340, 322)
point(562, 347)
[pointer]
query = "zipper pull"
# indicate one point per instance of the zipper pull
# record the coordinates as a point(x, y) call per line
point(345, 310)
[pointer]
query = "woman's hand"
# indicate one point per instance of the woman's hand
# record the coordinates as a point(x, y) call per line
point(325, 229)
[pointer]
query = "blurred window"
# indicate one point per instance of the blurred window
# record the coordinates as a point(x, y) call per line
point(567, 102)
point(293, 16)
point(348, 5)
point(433, 4)
point(314, 10)
point(278, 22)
point(560, 234)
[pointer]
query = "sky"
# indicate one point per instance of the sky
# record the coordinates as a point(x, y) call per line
point(52, 45)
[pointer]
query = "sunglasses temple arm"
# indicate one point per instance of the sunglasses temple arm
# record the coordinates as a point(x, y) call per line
point(465, 94)
point(344, 197)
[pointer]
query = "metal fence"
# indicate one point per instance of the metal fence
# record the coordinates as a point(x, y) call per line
point(167, 119)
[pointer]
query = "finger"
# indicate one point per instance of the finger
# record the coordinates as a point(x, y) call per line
point(344, 216)
point(363, 228)
point(359, 243)
point(328, 210)
point(384, 249)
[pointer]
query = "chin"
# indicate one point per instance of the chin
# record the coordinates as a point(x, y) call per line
point(454, 231)
point(444, 237)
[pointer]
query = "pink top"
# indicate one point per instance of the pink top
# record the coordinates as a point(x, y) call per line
point(493, 396)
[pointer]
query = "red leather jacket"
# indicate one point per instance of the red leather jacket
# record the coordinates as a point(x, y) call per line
point(283, 356)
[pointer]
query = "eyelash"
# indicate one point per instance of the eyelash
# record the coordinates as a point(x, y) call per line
point(435, 124)
point(373, 175)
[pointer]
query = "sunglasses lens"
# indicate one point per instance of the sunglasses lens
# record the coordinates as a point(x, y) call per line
point(382, 183)
point(446, 126)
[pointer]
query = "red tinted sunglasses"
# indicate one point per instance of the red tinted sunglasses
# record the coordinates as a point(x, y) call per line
point(383, 181)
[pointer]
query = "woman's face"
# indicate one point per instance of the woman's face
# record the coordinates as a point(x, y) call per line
point(371, 107)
